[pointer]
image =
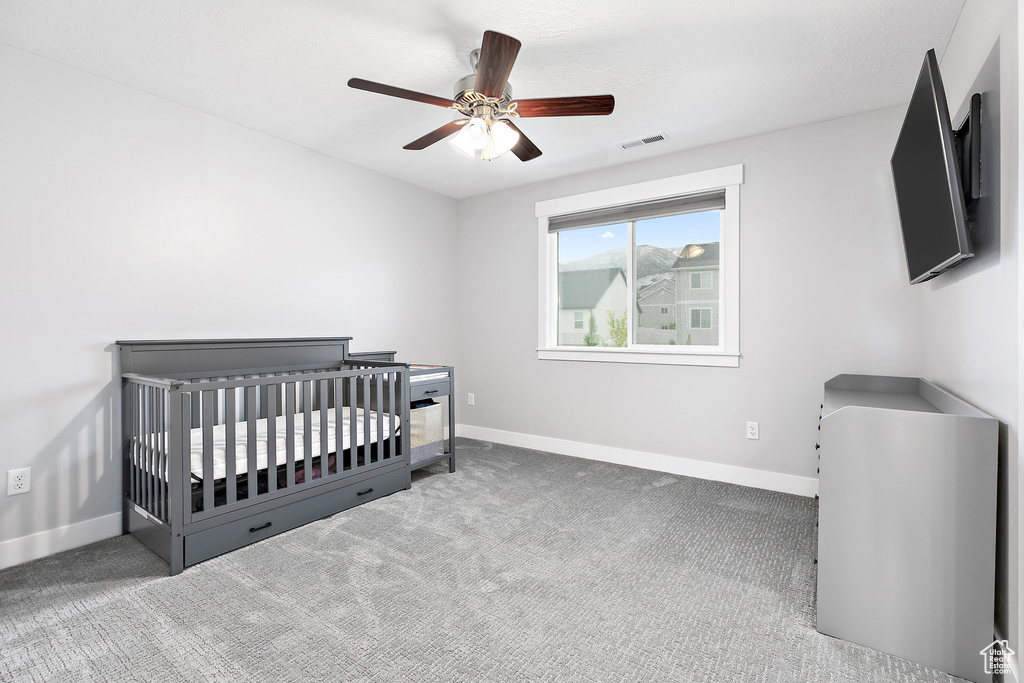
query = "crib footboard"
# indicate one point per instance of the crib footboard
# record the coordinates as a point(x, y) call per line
point(216, 461)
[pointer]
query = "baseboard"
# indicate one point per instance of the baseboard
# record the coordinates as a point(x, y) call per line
point(34, 546)
point(744, 476)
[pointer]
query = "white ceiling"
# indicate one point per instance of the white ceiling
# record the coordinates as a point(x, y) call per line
point(696, 71)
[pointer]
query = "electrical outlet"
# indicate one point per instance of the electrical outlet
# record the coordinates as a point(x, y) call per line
point(471, 399)
point(19, 481)
point(752, 431)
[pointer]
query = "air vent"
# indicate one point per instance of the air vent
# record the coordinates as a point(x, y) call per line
point(640, 142)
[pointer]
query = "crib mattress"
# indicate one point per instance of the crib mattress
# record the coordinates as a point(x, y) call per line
point(242, 444)
point(350, 436)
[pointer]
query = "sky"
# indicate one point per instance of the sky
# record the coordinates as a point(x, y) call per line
point(671, 231)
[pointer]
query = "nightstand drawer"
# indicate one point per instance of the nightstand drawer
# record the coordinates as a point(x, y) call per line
point(422, 390)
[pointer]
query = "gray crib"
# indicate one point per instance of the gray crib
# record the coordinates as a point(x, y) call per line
point(228, 442)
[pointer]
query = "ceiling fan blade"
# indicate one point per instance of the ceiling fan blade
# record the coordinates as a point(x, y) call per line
point(497, 55)
point(436, 135)
point(370, 86)
point(524, 149)
point(593, 105)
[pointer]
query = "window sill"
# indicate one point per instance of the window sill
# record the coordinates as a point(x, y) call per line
point(712, 358)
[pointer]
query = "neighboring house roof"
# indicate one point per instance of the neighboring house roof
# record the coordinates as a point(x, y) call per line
point(654, 288)
point(709, 259)
point(651, 280)
point(584, 288)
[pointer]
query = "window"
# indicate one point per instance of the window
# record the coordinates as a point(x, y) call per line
point(700, 318)
point(629, 257)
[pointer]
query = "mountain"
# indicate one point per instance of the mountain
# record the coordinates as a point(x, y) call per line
point(649, 261)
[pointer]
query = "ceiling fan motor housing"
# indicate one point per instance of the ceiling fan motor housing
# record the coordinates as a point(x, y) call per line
point(467, 98)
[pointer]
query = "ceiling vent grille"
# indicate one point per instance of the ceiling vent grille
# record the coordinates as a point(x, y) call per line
point(640, 142)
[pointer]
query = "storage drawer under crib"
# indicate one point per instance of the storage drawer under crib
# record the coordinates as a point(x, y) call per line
point(223, 538)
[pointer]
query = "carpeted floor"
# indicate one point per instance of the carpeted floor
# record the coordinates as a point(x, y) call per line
point(521, 566)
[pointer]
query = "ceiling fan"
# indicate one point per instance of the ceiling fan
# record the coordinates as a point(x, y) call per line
point(485, 99)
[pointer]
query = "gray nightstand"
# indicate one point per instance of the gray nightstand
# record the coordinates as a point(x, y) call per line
point(429, 444)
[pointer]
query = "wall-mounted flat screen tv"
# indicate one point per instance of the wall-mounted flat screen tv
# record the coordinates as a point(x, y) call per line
point(926, 171)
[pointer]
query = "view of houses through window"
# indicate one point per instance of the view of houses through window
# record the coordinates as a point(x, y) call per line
point(672, 282)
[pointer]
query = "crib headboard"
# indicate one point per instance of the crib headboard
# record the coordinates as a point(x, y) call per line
point(169, 358)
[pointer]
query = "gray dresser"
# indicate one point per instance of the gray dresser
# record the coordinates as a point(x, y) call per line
point(907, 521)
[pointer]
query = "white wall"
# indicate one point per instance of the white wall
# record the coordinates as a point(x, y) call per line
point(127, 217)
point(972, 314)
point(823, 291)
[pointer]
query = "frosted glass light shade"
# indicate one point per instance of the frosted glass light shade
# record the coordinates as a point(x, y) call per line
point(504, 136)
point(471, 138)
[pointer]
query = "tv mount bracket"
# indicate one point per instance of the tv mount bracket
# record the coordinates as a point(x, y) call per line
point(967, 141)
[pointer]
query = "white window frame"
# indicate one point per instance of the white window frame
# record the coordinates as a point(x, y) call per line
point(578, 320)
point(727, 353)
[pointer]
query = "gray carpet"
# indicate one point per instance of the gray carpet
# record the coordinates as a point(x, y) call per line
point(521, 566)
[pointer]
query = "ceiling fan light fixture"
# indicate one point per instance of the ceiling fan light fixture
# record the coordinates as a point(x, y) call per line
point(503, 136)
point(481, 140)
point(472, 138)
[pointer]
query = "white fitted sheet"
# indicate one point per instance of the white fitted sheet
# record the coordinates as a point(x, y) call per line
point(242, 444)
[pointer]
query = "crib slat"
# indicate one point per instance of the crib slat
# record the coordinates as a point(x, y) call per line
point(207, 430)
point(182, 481)
point(161, 466)
point(154, 472)
point(392, 379)
point(215, 397)
point(230, 446)
point(289, 433)
point(154, 450)
point(377, 413)
point(324, 446)
point(196, 408)
point(339, 431)
point(251, 415)
point(154, 457)
point(366, 419)
point(136, 440)
point(150, 449)
point(140, 456)
point(307, 429)
point(271, 408)
point(143, 435)
point(353, 424)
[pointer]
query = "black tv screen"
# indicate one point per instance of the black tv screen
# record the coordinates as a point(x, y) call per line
point(926, 173)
